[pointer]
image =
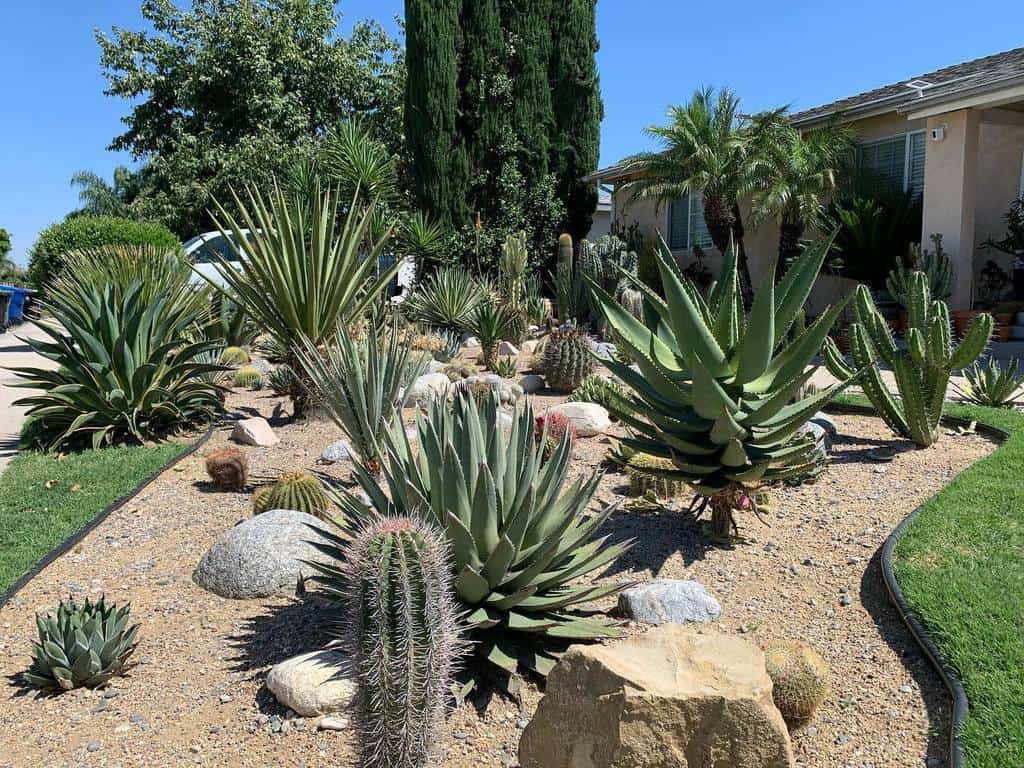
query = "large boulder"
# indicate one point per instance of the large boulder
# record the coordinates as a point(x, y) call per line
point(508, 392)
point(254, 431)
point(588, 419)
point(662, 601)
point(531, 383)
point(675, 697)
point(426, 388)
point(261, 556)
point(312, 684)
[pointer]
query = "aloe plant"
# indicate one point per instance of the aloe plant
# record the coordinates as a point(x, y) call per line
point(519, 544)
point(298, 273)
point(717, 390)
point(993, 385)
point(921, 371)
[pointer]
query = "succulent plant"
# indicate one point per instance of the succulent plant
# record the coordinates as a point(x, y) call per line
point(714, 388)
point(445, 299)
point(248, 377)
point(570, 293)
point(228, 468)
point(281, 379)
point(597, 389)
point(506, 367)
point(800, 680)
point(993, 385)
point(490, 323)
point(84, 645)
point(922, 371)
point(567, 359)
point(297, 491)
point(549, 429)
point(234, 356)
point(403, 635)
point(451, 345)
point(458, 371)
point(935, 264)
point(512, 264)
point(520, 545)
point(645, 477)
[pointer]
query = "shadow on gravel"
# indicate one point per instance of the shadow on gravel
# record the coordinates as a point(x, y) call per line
point(658, 534)
point(875, 598)
point(279, 632)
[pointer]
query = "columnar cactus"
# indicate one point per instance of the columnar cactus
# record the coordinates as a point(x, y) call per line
point(567, 359)
point(922, 371)
point(513, 267)
point(404, 638)
point(298, 491)
point(565, 287)
point(228, 468)
point(935, 264)
point(608, 262)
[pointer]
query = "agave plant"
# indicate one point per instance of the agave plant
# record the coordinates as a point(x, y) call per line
point(993, 385)
point(519, 543)
point(445, 300)
point(124, 369)
point(298, 274)
point(490, 322)
point(82, 646)
point(359, 384)
point(717, 390)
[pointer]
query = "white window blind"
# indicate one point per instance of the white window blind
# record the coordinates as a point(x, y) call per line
point(915, 163)
point(899, 159)
point(698, 227)
point(686, 225)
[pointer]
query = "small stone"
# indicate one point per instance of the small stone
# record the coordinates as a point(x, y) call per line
point(93, 746)
point(224, 698)
point(137, 719)
point(675, 601)
point(313, 683)
point(522, 723)
point(332, 723)
point(508, 349)
point(842, 740)
point(337, 451)
point(109, 693)
point(846, 600)
point(254, 431)
point(531, 383)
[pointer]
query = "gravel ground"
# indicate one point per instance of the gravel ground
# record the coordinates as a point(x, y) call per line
point(197, 698)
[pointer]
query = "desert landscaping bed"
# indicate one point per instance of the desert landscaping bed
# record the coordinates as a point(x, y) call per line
point(197, 694)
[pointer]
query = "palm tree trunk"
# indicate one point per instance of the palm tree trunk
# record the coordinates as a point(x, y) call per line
point(790, 233)
point(746, 284)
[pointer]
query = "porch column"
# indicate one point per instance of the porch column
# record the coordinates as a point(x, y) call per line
point(950, 191)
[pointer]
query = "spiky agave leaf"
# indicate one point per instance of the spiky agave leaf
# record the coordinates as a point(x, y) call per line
point(718, 391)
point(519, 537)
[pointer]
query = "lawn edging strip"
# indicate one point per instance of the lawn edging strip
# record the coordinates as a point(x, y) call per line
point(75, 538)
point(947, 672)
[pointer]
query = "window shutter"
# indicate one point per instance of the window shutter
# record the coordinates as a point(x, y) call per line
point(679, 223)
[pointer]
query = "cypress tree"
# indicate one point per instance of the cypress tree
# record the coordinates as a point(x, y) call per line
point(431, 109)
point(578, 110)
point(481, 83)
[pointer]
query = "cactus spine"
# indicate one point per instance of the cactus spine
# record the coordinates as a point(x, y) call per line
point(567, 359)
point(234, 356)
point(298, 491)
point(248, 377)
point(800, 680)
point(922, 371)
point(228, 468)
point(403, 635)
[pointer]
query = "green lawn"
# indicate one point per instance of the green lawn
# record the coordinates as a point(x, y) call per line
point(961, 568)
point(43, 499)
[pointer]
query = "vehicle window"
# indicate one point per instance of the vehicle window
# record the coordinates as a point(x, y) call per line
point(217, 244)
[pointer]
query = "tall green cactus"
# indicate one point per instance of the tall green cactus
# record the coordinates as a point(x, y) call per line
point(922, 370)
point(936, 266)
point(569, 291)
point(513, 267)
point(403, 634)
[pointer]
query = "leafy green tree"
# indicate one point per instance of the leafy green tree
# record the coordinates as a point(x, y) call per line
point(578, 110)
point(532, 114)
point(225, 93)
point(9, 271)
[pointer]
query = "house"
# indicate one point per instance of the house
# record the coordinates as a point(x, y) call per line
point(602, 224)
point(954, 136)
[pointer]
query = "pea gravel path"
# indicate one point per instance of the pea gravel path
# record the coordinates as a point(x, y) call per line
point(196, 697)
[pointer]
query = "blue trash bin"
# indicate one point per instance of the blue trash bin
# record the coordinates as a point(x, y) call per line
point(5, 303)
point(16, 309)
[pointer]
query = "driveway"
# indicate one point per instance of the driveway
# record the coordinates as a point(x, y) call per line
point(14, 352)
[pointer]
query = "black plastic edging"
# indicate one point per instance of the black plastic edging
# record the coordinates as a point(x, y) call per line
point(950, 676)
point(75, 538)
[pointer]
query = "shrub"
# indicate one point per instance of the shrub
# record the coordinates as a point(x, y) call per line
point(125, 369)
point(46, 259)
point(228, 468)
point(84, 645)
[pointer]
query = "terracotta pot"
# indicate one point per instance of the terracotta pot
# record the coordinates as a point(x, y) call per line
point(1004, 326)
point(962, 318)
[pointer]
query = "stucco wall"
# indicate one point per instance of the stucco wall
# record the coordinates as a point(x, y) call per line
point(1001, 149)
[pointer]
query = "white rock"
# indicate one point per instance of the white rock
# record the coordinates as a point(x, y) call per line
point(337, 451)
point(471, 341)
point(531, 383)
point(508, 349)
point(588, 419)
point(254, 431)
point(313, 684)
point(426, 388)
point(529, 347)
point(332, 723)
point(436, 366)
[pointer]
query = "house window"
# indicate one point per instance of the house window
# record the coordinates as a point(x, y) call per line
point(686, 225)
point(898, 159)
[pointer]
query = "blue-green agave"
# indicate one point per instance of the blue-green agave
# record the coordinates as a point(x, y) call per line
point(716, 390)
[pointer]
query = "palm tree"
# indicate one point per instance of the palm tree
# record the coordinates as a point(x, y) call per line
point(795, 177)
point(100, 198)
point(709, 147)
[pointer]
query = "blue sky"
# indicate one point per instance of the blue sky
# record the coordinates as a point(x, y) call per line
point(55, 119)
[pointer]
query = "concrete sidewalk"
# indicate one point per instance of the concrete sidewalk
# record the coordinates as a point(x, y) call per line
point(14, 352)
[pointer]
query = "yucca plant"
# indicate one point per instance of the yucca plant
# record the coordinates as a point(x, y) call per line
point(993, 385)
point(445, 300)
point(715, 390)
point(83, 646)
point(299, 273)
point(403, 634)
point(124, 369)
point(520, 545)
point(490, 323)
point(359, 384)
point(921, 371)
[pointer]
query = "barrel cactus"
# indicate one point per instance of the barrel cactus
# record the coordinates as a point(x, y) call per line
point(248, 377)
point(228, 468)
point(800, 680)
point(403, 636)
point(234, 356)
point(84, 645)
point(645, 477)
point(596, 388)
point(922, 371)
point(567, 359)
point(715, 389)
point(298, 491)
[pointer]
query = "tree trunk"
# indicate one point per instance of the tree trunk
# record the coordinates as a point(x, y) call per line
point(746, 284)
point(724, 224)
point(790, 233)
